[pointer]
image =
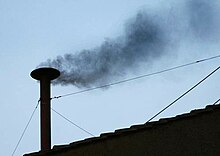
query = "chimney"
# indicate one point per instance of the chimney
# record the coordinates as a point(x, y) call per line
point(45, 75)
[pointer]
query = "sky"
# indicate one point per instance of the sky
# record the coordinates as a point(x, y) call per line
point(103, 42)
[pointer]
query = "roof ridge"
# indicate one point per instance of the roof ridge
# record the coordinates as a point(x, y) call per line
point(137, 128)
point(152, 124)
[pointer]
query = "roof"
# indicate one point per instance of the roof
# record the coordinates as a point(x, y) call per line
point(133, 129)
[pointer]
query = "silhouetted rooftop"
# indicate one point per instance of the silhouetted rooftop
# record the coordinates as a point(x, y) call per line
point(133, 129)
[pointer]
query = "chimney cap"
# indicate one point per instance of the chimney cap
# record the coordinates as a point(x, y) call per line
point(50, 73)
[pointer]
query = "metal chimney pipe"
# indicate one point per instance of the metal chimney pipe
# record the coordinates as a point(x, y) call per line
point(45, 75)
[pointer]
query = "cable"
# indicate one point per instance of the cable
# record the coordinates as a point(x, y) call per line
point(29, 121)
point(72, 122)
point(183, 94)
point(216, 102)
point(135, 78)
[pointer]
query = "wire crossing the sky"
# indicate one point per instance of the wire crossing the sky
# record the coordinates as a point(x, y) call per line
point(118, 82)
point(72, 122)
point(216, 102)
point(138, 77)
point(28, 123)
point(172, 103)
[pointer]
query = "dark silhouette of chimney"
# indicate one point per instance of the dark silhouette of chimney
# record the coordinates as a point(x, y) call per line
point(45, 75)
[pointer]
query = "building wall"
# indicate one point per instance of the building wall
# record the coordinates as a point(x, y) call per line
point(193, 135)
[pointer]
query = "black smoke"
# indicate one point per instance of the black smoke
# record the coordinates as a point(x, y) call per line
point(142, 42)
point(145, 39)
point(204, 19)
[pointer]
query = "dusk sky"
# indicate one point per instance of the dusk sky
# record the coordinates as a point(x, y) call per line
point(98, 42)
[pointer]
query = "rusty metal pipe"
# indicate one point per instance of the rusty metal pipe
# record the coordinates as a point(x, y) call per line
point(45, 75)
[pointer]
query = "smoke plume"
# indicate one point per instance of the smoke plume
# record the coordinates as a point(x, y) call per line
point(145, 40)
point(204, 19)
